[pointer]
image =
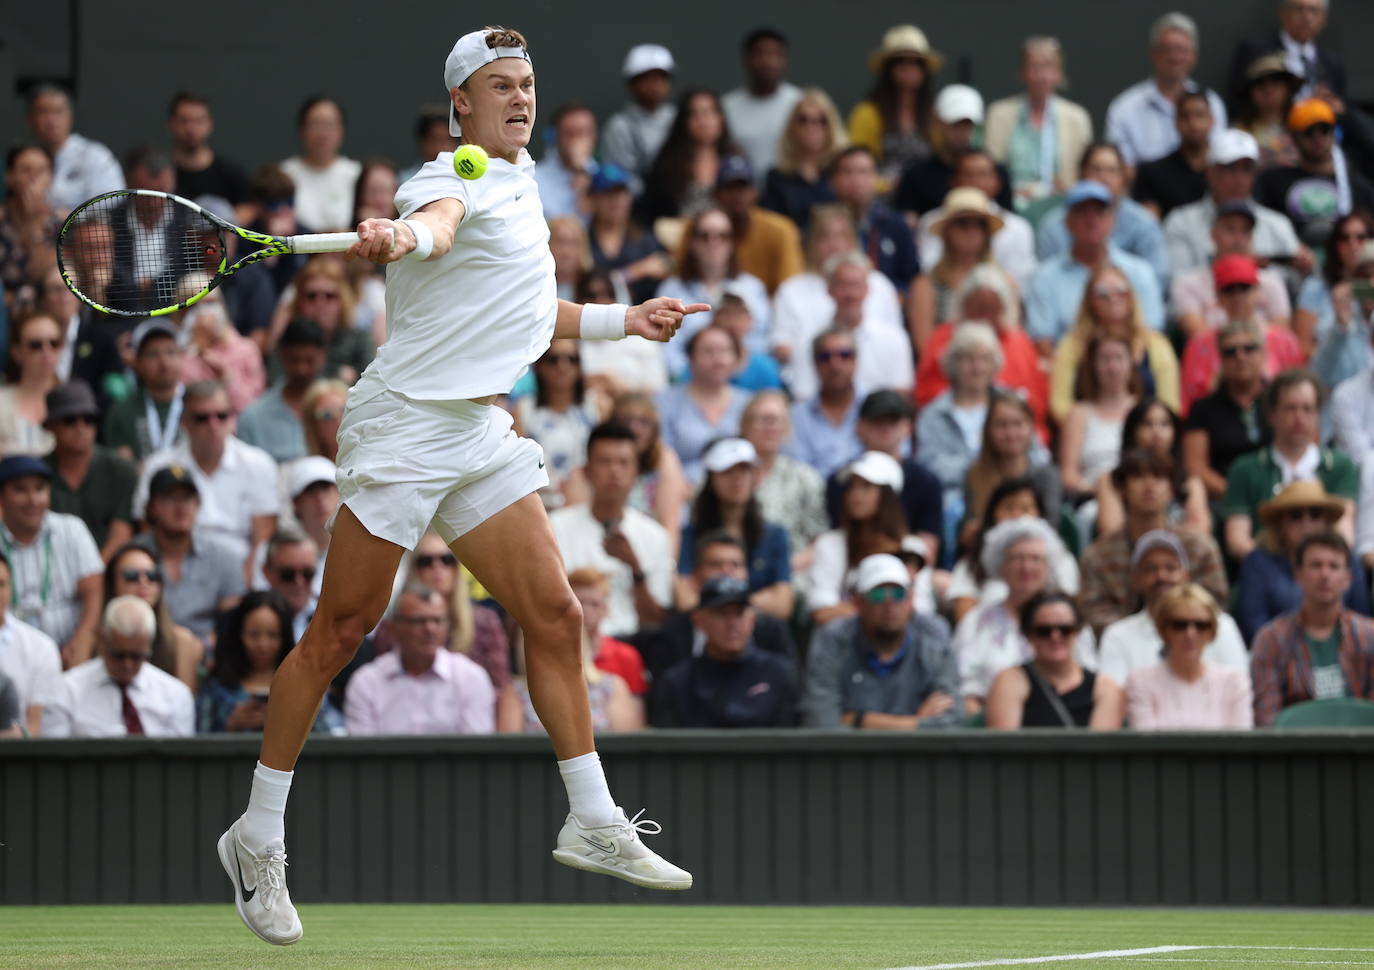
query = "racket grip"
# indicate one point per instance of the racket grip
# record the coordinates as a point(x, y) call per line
point(322, 242)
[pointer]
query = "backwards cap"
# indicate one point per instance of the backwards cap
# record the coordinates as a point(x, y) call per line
point(468, 56)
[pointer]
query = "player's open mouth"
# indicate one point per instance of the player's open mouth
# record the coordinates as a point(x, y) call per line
point(519, 121)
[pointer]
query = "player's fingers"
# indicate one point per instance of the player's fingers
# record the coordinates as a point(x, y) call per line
point(695, 307)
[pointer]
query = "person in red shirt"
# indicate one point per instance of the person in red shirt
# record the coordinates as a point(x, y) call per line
point(591, 587)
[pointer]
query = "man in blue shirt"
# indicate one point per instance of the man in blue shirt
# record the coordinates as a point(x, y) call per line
point(823, 428)
point(883, 234)
point(1056, 289)
point(730, 682)
point(886, 668)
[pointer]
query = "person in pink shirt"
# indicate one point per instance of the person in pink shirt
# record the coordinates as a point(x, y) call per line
point(215, 351)
point(1183, 693)
point(1237, 286)
point(1195, 294)
point(420, 687)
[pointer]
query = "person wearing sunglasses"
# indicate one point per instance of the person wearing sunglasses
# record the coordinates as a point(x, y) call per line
point(89, 481)
point(35, 349)
point(1230, 420)
point(1053, 689)
point(1266, 586)
point(886, 668)
point(1343, 355)
point(1324, 184)
point(119, 693)
point(1197, 299)
point(321, 292)
point(135, 570)
point(1159, 563)
point(1316, 311)
point(1188, 690)
point(559, 415)
point(812, 133)
point(292, 570)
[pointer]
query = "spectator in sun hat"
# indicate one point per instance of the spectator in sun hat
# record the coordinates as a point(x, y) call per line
point(88, 481)
point(894, 121)
point(635, 133)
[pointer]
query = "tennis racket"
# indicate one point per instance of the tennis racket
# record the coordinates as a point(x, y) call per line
point(139, 253)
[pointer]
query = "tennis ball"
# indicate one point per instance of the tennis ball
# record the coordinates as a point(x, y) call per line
point(470, 161)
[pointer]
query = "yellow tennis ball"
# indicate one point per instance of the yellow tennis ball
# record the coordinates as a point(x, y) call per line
point(470, 161)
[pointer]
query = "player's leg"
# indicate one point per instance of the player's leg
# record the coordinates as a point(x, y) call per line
point(357, 582)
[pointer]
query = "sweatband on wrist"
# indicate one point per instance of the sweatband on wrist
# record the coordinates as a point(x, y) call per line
point(602, 321)
point(424, 239)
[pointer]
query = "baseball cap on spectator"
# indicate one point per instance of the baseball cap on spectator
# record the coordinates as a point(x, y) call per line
point(1232, 145)
point(880, 570)
point(1233, 270)
point(468, 56)
point(959, 102)
point(644, 58)
point(1313, 111)
point(170, 479)
point(303, 333)
point(608, 177)
point(152, 327)
point(1158, 539)
point(885, 405)
point(22, 466)
point(1087, 191)
point(733, 170)
point(1237, 207)
point(217, 206)
point(74, 399)
point(727, 453)
point(876, 468)
point(304, 472)
point(915, 548)
point(723, 591)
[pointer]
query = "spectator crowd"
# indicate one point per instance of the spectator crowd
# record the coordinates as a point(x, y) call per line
point(1000, 416)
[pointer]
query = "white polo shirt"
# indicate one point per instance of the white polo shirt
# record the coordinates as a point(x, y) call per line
point(469, 323)
point(580, 540)
point(244, 485)
point(44, 573)
point(31, 659)
point(93, 707)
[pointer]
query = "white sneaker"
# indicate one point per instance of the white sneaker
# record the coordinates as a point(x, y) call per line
point(615, 850)
point(260, 893)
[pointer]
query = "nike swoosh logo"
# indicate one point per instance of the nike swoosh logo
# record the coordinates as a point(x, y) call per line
point(608, 847)
point(247, 894)
point(519, 197)
point(541, 463)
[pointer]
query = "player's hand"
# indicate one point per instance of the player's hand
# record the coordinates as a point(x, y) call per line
point(381, 241)
point(659, 318)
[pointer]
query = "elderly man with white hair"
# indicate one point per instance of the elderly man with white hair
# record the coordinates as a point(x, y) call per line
point(988, 640)
point(1140, 120)
point(949, 431)
point(118, 692)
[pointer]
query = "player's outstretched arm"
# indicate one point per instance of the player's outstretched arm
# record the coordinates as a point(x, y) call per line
point(387, 240)
point(656, 319)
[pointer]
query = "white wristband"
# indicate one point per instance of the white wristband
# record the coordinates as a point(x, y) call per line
point(424, 239)
point(603, 321)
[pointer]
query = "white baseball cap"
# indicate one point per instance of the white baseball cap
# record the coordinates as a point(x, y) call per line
point(729, 452)
point(959, 102)
point(304, 472)
point(877, 468)
point(468, 56)
point(644, 58)
point(880, 570)
point(1232, 145)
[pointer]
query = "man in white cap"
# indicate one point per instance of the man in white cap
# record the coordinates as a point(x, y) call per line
point(471, 303)
point(887, 668)
point(1158, 563)
point(635, 133)
point(1231, 166)
point(925, 183)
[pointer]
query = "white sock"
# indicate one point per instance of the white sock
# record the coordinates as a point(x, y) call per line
point(265, 820)
point(589, 798)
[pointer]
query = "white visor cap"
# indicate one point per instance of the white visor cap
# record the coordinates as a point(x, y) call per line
point(468, 56)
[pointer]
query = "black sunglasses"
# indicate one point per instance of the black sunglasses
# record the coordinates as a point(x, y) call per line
point(205, 417)
point(71, 420)
point(134, 575)
point(289, 574)
point(447, 558)
point(826, 356)
point(1180, 625)
point(1044, 631)
point(1235, 350)
point(118, 655)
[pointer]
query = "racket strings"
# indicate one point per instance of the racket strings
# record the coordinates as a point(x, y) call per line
point(134, 254)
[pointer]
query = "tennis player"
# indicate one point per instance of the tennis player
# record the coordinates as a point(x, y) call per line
point(470, 305)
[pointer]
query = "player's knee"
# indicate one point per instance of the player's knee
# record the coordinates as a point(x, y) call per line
point(335, 642)
point(557, 617)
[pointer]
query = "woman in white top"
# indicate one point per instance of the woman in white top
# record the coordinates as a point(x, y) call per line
point(1090, 441)
point(560, 415)
point(1184, 693)
point(35, 348)
point(988, 639)
point(324, 179)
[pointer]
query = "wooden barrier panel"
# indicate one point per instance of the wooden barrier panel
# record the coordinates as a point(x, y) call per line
point(961, 818)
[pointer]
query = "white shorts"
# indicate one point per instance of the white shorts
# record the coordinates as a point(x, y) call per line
point(406, 465)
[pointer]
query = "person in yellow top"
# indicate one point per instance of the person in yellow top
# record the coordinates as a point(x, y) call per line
point(893, 122)
point(767, 245)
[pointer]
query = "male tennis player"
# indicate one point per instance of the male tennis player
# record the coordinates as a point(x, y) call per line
point(470, 304)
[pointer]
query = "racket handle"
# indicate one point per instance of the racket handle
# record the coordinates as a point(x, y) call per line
point(322, 242)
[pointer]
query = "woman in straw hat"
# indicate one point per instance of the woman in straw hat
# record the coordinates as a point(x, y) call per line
point(1266, 587)
point(1269, 90)
point(967, 223)
point(893, 122)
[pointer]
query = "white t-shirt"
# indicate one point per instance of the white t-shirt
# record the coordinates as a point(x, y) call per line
point(324, 197)
point(580, 539)
point(757, 123)
point(1133, 643)
point(30, 658)
point(469, 323)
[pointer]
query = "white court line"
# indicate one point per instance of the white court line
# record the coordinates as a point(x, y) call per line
point(1143, 951)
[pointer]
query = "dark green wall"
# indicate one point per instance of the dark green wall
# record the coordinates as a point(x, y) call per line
point(258, 60)
point(975, 818)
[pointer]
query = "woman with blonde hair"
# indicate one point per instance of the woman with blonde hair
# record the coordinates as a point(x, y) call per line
point(323, 293)
point(1111, 307)
point(1185, 693)
point(321, 412)
point(814, 133)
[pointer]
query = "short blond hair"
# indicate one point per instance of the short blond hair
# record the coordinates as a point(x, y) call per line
point(1182, 595)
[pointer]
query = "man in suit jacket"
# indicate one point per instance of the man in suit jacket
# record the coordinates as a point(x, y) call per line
point(1300, 23)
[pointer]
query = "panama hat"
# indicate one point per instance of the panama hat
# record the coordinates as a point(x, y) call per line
point(905, 40)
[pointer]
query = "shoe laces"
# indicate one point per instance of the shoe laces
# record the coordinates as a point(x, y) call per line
point(271, 871)
point(646, 827)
